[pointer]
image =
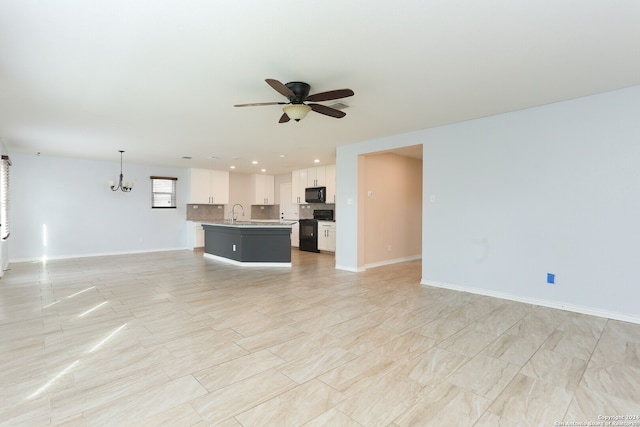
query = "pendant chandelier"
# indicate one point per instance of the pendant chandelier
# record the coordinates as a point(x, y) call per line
point(125, 186)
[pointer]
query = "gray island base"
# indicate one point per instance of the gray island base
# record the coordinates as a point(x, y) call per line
point(251, 244)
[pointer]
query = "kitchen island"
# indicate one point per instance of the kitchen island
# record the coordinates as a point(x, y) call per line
point(248, 243)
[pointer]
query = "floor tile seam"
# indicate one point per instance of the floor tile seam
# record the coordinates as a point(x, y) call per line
point(253, 404)
point(447, 379)
point(86, 411)
point(335, 408)
point(519, 421)
point(480, 354)
point(450, 384)
point(425, 389)
point(318, 374)
point(387, 372)
point(542, 347)
point(196, 373)
point(553, 384)
point(381, 346)
point(590, 361)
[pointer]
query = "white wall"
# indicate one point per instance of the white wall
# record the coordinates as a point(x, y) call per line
point(82, 216)
point(553, 189)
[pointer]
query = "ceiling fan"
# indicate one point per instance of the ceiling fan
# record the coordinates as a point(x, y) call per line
point(298, 93)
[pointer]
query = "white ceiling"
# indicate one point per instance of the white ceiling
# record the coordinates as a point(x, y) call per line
point(159, 78)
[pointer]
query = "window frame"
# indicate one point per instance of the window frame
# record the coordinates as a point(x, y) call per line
point(172, 194)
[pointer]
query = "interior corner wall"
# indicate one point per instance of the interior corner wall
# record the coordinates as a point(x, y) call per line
point(392, 195)
point(552, 189)
point(63, 207)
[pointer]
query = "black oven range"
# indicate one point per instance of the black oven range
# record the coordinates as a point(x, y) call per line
point(309, 229)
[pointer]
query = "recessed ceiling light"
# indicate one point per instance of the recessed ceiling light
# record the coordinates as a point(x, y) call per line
point(184, 157)
point(263, 170)
point(316, 161)
point(283, 155)
point(255, 162)
point(232, 167)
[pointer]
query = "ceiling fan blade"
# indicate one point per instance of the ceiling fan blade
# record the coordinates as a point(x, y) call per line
point(280, 88)
point(327, 111)
point(256, 104)
point(329, 95)
point(284, 118)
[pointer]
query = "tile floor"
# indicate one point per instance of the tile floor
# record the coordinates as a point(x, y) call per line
point(171, 338)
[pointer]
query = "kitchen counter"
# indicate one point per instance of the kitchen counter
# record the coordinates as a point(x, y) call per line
point(249, 243)
point(252, 223)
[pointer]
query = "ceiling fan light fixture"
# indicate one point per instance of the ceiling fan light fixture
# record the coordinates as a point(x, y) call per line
point(296, 111)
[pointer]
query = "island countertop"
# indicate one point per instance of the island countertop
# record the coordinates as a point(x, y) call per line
point(249, 243)
point(251, 223)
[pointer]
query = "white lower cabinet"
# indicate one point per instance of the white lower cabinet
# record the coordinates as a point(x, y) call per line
point(195, 235)
point(295, 235)
point(199, 236)
point(327, 236)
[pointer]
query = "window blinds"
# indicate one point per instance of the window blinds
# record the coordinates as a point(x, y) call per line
point(5, 163)
point(163, 192)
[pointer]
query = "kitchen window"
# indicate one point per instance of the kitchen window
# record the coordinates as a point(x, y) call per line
point(163, 192)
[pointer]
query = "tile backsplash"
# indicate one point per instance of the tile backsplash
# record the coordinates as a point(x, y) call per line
point(306, 211)
point(205, 213)
point(216, 212)
point(265, 212)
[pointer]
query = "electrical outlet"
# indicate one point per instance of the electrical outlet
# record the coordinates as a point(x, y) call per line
point(389, 248)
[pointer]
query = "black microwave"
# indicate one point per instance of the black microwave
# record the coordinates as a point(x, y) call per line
point(315, 194)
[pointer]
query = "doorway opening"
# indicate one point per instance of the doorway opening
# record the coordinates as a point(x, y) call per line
point(390, 206)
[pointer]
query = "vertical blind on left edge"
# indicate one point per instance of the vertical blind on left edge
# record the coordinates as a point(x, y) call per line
point(163, 192)
point(5, 163)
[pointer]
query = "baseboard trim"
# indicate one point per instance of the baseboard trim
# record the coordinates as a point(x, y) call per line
point(392, 261)
point(351, 269)
point(536, 301)
point(378, 264)
point(97, 254)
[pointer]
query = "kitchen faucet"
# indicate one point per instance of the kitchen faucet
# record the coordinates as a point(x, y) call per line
point(233, 212)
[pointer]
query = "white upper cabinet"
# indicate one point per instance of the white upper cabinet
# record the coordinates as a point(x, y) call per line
point(321, 176)
point(263, 189)
point(330, 183)
point(298, 184)
point(316, 177)
point(209, 187)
